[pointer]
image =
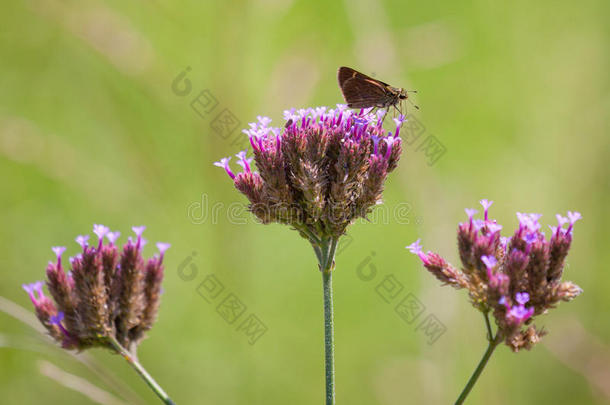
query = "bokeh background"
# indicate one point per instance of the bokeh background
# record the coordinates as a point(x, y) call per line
point(91, 131)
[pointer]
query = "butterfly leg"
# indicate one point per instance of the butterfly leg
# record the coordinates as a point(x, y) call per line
point(384, 115)
point(397, 109)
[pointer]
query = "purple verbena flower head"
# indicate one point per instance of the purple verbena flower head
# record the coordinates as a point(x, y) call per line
point(319, 172)
point(107, 292)
point(503, 274)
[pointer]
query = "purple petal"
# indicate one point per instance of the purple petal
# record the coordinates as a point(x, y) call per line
point(504, 240)
point(522, 298)
point(241, 155)
point(56, 319)
point(224, 163)
point(470, 212)
point(162, 246)
point(530, 238)
point(486, 203)
point(478, 224)
point(100, 231)
point(415, 247)
point(494, 227)
point(33, 288)
point(561, 220)
point(138, 230)
point(113, 236)
point(574, 216)
point(82, 240)
point(375, 140)
point(58, 250)
point(265, 121)
point(489, 261)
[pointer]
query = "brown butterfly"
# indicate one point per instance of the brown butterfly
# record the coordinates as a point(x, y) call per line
point(362, 91)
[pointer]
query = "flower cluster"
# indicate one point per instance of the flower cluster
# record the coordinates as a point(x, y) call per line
point(516, 278)
point(108, 292)
point(318, 173)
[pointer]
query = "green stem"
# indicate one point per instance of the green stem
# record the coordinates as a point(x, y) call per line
point(493, 343)
point(133, 362)
point(328, 249)
point(488, 325)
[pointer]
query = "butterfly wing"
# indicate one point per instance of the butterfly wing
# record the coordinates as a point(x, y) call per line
point(360, 93)
point(345, 73)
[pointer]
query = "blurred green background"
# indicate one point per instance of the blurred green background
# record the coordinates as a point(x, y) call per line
point(92, 132)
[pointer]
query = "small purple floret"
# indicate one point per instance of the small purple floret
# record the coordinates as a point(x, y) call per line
point(470, 212)
point(56, 319)
point(224, 163)
point(58, 250)
point(33, 288)
point(100, 231)
point(415, 247)
point(162, 246)
point(113, 236)
point(486, 204)
point(82, 240)
point(522, 298)
point(138, 230)
point(489, 261)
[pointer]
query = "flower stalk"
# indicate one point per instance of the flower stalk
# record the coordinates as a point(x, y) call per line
point(494, 341)
point(477, 372)
point(133, 362)
point(327, 267)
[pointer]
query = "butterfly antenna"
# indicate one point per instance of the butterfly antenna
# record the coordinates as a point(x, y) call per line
point(416, 106)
